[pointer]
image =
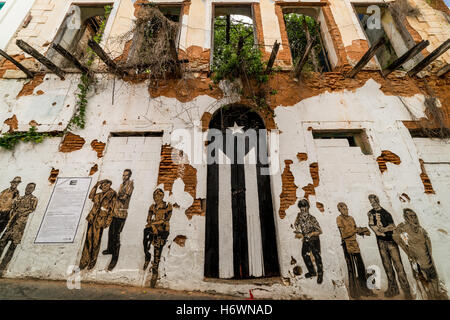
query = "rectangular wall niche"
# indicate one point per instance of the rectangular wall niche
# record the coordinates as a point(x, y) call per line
point(82, 22)
point(379, 21)
point(229, 23)
point(340, 138)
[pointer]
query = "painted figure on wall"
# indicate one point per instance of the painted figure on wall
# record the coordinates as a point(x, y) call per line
point(120, 213)
point(308, 229)
point(414, 240)
point(7, 198)
point(382, 224)
point(99, 217)
point(21, 209)
point(357, 277)
point(156, 231)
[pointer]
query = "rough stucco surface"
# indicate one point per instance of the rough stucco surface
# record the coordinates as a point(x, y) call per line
point(403, 171)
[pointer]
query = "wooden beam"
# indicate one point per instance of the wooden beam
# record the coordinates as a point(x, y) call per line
point(367, 57)
point(39, 57)
point(404, 58)
point(430, 58)
point(17, 64)
point(312, 54)
point(301, 63)
point(104, 57)
point(273, 55)
point(443, 70)
point(66, 54)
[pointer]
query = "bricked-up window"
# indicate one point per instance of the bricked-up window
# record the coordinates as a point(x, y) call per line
point(230, 22)
point(354, 138)
point(82, 22)
point(302, 24)
point(379, 21)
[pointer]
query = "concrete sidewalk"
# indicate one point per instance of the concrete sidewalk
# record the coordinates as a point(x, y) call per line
point(31, 289)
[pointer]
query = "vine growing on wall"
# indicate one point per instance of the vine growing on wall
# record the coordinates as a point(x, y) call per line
point(87, 80)
point(10, 139)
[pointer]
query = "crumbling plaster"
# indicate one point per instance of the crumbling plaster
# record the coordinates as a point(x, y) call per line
point(350, 179)
point(182, 267)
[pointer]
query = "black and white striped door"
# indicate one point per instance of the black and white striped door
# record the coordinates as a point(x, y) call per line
point(240, 232)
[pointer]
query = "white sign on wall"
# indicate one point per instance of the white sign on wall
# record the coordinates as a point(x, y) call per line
point(60, 222)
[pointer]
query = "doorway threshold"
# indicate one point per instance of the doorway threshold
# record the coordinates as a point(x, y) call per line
point(253, 281)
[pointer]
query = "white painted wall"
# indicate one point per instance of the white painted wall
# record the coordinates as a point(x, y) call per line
point(12, 16)
point(345, 175)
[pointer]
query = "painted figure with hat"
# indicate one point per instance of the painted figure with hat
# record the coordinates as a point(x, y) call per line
point(7, 198)
point(21, 209)
point(416, 243)
point(156, 231)
point(308, 229)
point(99, 217)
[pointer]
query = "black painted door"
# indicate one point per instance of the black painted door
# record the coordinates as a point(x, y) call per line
point(245, 118)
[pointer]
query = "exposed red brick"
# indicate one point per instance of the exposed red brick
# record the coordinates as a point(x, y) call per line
point(284, 53)
point(180, 240)
point(71, 142)
point(186, 90)
point(93, 170)
point(169, 171)
point(206, 118)
point(309, 191)
point(53, 175)
point(29, 87)
point(425, 179)
point(257, 20)
point(7, 65)
point(387, 156)
point(98, 147)
point(12, 123)
point(404, 198)
point(39, 92)
point(288, 195)
point(356, 50)
point(301, 156)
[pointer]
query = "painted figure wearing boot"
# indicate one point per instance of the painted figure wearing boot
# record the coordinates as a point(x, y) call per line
point(156, 232)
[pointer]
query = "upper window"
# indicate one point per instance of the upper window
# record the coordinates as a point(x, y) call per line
point(377, 21)
point(301, 26)
point(231, 23)
point(156, 37)
point(82, 23)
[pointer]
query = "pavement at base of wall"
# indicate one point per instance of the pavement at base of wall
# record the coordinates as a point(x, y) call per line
point(32, 289)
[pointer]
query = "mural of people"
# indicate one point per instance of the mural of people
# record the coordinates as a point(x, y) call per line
point(99, 217)
point(120, 212)
point(414, 240)
point(156, 231)
point(357, 277)
point(21, 209)
point(7, 198)
point(308, 229)
point(382, 224)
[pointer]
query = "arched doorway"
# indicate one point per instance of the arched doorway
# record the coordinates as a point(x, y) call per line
point(240, 240)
